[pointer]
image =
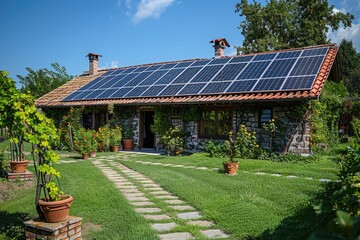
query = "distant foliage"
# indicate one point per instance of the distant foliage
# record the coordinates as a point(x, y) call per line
point(39, 82)
point(217, 148)
point(281, 24)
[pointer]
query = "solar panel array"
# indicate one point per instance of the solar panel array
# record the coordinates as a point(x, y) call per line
point(282, 71)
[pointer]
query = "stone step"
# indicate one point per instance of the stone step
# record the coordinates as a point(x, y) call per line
point(163, 227)
point(189, 215)
point(157, 217)
point(147, 210)
point(214, 233)
point(144, 203)
point(174, 201)
point(182, 208)
point(201, 223)
point(165, 197)
point(176, 236)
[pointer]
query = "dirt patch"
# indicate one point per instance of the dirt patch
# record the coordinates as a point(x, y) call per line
point(89, 227)
point(9, 190)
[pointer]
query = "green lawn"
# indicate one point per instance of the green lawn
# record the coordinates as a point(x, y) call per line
point(247, 206)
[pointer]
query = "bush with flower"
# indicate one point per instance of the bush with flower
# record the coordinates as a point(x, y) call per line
point(83, 141)
point(115, 136)
point(174, 140)
point(270, 129)
point(103, 138)
point(245, 143)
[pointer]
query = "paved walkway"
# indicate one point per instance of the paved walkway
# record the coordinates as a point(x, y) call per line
point(166, 212)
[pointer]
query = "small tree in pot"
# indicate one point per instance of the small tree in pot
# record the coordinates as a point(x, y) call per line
point(115, 138)
point(128, 133)
point(231, 167)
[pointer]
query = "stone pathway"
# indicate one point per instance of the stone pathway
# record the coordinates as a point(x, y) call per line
point(123, 157)
point(166, 212)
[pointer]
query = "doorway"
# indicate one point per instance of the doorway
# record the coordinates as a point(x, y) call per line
point(148, 137)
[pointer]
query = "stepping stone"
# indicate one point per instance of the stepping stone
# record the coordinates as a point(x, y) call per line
point(160, 193)
point(126, 186)
point(163, 227)
point(174, 201)
point(215, 169)
point(157, 217)
point(182, 208)
point(154, 189)
point(189, 167)
point(138, 194)
point(176, 236)
point(165, 197)
point(178, 166)
point(120, 183)
point(167, 164)
point(132, 190)
point(291, 176)
point(201, 223)
point(324, 180)
point(139, 199)
point(202, 168)
point(140, 178)
point(260, 173)
point(147, 210)
point(214, 233)
point(309, 178)
point(276, 175)
point(157, 163)
point(150, 185)
point(140, 204)
point(189, 215)
point(146, 181)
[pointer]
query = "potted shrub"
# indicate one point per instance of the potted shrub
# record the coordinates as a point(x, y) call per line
point(94, 143)
point(128, 136)
point(173, 141)
point(103, 138)
point(231, 167)
point(83, 142)
point(115, 138)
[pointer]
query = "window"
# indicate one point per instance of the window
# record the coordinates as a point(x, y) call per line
point(265, 115)
point(216, 123)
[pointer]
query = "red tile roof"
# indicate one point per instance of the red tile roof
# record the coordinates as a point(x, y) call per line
point(54, 98)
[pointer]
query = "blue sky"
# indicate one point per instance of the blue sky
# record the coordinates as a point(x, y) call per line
point(126, 32)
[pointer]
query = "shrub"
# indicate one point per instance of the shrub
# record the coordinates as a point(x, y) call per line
point(174, 139)
point(83, 141)
point(245, 143)
point(115, 136)
point(103, 138)
point(217, 148)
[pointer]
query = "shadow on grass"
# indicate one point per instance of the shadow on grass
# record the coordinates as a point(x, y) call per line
point(11, 225)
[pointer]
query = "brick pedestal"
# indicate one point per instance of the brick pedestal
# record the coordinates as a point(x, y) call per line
point(25, 176)
point(69, 229)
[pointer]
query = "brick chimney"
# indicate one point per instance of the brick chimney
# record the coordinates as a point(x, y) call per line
point(219, 46)
point(93, 63)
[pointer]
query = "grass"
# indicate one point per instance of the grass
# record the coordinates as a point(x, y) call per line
point(247, 206)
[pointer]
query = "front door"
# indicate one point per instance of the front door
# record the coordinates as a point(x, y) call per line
point(148, 137)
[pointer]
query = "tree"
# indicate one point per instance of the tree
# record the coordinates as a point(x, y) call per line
point(42, 81)
point(282, 24)
point(350, 66)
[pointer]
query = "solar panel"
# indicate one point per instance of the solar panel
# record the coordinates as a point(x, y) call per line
point(229, 72)
point(191, 89)
point(207, 73)
point(171, 90)
point(288, 70)
point(296, 83)
point(279, 68)
point(216, 87)
point(241, 86)
point(269, 84)
point(187, 75)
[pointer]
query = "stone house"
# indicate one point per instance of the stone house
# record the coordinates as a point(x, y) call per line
point(225, 91)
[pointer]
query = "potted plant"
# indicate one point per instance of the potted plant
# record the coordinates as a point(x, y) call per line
point(173, 141)
point(231, 167)
point(94, 143)
point(115, 138)
point(128, 133)
point(103, 138)
point(83, 142)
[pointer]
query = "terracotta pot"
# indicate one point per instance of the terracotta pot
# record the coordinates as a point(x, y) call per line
point(100, 147)
point(176, 152)
point(231, 167)
point(86, 156)
point(18, 166)
point(115, 148)
point(93, 154)
point(56, 211)
point(128, 144)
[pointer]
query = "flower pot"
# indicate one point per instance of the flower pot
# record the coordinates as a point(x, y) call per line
point(231, 167)
point(56, 211)
point(93, 154)
point(176, 152)
point(86, 156)
point(115, 148)
point(128, 144)
point(100, 147)
point(19, 166)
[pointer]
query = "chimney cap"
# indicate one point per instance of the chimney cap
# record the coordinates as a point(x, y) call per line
point(93, 54)
point(220, 41)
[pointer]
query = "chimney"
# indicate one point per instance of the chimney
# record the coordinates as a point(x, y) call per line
point(93, 63)
point(219, 46)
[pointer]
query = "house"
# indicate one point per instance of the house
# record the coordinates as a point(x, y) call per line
point(225, 92)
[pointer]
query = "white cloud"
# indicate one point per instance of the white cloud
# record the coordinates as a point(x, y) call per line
point(150, 8)
point(112, 64)
point(352, 33)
